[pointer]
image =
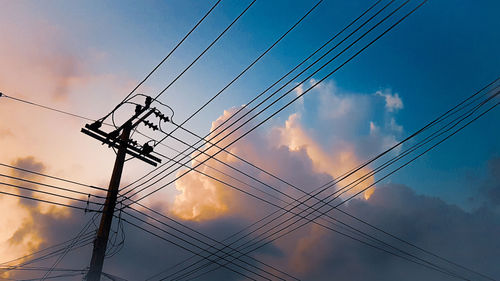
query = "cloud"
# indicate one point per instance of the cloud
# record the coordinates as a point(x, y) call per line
point(43, 59)
point(425, 221)
point(313, 253)
point(28, 163)
point(337, 104)
point(334, 163)
point(307, 158)
point(393, 103)
point(201, 198)
point(19, 234)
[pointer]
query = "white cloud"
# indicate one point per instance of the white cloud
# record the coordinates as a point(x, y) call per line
point(393, 103)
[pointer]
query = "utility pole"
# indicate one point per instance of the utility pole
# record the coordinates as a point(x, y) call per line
point(119, 139)
point(101, 240)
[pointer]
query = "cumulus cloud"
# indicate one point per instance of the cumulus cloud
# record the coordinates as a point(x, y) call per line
point(308, 159)
point(334, 163)
point(393, 102)
point(340, 113)
point(20, 232)
point(337, 104)
point(202, 198)
point(426, 221)
point(28, 163)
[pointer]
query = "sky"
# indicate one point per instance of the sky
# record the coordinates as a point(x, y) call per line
point(84, 57)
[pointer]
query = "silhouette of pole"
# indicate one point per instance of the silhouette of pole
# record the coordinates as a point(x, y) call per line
point(101, 241)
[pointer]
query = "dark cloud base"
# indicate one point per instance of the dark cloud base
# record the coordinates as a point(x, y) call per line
point(469, 238)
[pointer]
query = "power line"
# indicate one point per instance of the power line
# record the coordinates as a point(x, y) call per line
point(27, 171)
point(82, 239)
point(77, 239)
point(271, 203)
point(49, 176)
point(51, 186)
point(267, 241)
point(45, 107)
point(442, 116)
point(197, 232)
point(87, 241)
point(207, 244)
point(53, 277)
point(183, 247)
point(348, 227)
point(4, 264)
point(248, 67)
point(253, 128)
point(48, 193)
point(45, 201)
point(275, 84)
point(84, 118)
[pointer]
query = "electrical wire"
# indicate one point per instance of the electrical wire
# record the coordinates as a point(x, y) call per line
point(325, 44)
point(439, 119)
point(87, 241)
point(248, 67)
point(78, 238)
point(5, 264)
point(82, 239)
point(46, 201)
point(52, 186)
point(203, 235)
point(343, 225)
point(282, 95)
point(48, 193)
point(199, 247)
point(267, 241)
point(321, 80)
point(53, 177)
point(183, 247)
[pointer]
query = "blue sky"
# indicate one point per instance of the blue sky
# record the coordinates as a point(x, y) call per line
point(434, 59)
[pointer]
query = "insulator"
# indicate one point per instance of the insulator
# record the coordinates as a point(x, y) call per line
point(146, 149)
point(138, 109)
point(114, 134)
point(96, 125)
point(148, 101)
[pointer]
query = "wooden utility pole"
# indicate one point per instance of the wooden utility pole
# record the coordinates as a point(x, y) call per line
point(119, 139)
point(101, 240)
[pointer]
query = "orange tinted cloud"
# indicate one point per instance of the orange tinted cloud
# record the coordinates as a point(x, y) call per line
point(18, 235)
point(335, 163)
point(201, 198)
